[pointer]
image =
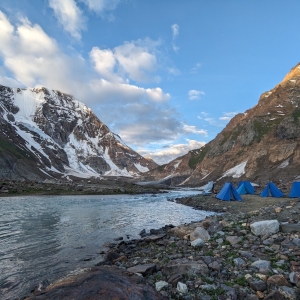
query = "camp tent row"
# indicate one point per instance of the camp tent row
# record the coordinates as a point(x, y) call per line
point(228, 192)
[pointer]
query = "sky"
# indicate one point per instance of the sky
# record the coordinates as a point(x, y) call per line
point(165, 75)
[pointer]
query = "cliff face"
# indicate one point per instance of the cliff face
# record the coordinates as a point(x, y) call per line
point(47, 133)
point(261, 144)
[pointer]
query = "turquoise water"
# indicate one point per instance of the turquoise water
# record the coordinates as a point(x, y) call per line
point(47, 237)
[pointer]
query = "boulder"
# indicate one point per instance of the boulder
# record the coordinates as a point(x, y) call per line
point(265, 227)
point(199, 233)
point(147, 269)
point(99, 283)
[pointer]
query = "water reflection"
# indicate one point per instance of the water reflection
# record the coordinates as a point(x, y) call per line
point(47, 237)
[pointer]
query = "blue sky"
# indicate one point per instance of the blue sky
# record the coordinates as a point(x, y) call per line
point(166, 75)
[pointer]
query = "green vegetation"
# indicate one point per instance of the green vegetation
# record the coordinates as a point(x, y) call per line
point(197, 158)
point(11, 148)
point(296, 115)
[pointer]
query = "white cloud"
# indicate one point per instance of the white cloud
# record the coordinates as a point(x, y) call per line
point(140, 115)
point(193, 129)
point(194, 94)
point(101, 6)
point(134, 60)
point(69, 16)
point(175, 33)
point(194, 70)
point(228, 116)
point(166, 154)
point(175, 30)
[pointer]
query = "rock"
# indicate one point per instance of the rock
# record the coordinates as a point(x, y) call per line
point(147, 269)
point(233, 240)
point(199, 233)
point(182, 288)
point(288, 293)
point(160, 285)
point(111, 256)
point(296, 242)
point(99, 283)
point(197, 243)
point(277, 280)
point(275, 295)
point(265, 227)
point(260, 295)
point(287, 227)
point(174, 279)
point(215, 266)
point(154, 238)
point(278, 209)
point(180, 231)
point(258, 285)
point(191, 268)
point(261, 264)
point(295, 278)
point(239, 262)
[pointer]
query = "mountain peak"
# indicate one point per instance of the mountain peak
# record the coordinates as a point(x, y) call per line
point(294, 74)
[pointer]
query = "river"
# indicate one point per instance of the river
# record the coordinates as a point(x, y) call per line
point(47, 237)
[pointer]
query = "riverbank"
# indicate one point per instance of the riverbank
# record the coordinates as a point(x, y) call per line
point(218, 258)
point(105, 186)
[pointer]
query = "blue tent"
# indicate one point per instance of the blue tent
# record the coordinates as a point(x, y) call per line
point(295, 190)
point(245, 187)
point(271, 190)
point(228, 192)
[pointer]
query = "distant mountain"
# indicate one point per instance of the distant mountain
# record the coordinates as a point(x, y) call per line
point(261, 144)
point(46, 133)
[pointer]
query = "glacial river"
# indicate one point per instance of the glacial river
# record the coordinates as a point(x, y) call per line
point(47, 237)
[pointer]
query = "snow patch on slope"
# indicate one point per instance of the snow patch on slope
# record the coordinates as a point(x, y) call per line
point(236, 171)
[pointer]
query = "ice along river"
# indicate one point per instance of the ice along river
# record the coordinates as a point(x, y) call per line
point(46, 237)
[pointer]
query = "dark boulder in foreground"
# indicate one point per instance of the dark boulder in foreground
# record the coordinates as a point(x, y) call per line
point(100, 283)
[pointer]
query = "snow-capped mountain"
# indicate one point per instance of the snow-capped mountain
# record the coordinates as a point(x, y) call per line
point(260, 144)
point(46, 133)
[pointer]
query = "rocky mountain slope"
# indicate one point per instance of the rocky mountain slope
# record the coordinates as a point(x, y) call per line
point(261, 144)
point(46, 133)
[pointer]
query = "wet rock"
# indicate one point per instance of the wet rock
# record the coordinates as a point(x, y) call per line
point(199, 233)
point(100, 283)
point(266, 227)
point(147, 269)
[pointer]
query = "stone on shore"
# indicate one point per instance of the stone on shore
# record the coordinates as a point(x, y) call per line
point(197, 243)
point(100, 283)
point(200, 233)
point(145, 270)
point(266, 227)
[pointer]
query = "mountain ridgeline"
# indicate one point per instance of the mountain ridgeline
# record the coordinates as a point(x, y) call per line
point(48, 134)
point(261, 144)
